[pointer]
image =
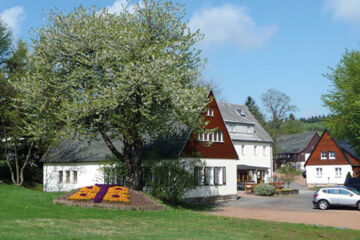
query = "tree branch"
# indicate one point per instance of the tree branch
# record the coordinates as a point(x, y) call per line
point(110, 145)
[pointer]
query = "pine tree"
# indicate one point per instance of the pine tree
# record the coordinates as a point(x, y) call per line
point(254, 109)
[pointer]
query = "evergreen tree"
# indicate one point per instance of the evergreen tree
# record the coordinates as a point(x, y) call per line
point(254, 109)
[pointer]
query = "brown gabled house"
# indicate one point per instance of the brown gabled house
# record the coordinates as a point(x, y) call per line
point(331, 161)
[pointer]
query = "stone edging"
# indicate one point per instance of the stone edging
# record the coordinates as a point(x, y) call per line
point(287, 192)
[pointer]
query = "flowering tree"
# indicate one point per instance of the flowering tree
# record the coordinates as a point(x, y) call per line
point(129, 76)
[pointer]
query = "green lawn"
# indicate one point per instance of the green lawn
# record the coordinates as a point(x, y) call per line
point(29, 214)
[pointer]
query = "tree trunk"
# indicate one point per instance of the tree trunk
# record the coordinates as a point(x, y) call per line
point(136, 170)
point(25, 163)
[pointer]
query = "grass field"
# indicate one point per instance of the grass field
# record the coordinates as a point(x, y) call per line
point(30, 214)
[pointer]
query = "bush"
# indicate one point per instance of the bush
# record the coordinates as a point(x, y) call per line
point(170, 179)
point(264, 190)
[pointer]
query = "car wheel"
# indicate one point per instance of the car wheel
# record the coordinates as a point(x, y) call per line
point(323, 204)
point(358, 205)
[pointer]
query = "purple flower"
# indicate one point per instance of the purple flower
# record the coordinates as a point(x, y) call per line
point(103, 190)
point(83, 194)
point(115, 196)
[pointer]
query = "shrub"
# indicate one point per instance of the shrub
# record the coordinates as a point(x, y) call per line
point(170, 179)
point(264, 190)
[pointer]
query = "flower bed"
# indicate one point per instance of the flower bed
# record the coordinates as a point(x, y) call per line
point(139, 201)
point(102, 192)
point(281, 192)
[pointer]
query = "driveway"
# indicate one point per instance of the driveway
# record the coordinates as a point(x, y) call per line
point(292, 209)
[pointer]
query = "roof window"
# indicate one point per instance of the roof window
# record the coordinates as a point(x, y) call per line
point(240, 112)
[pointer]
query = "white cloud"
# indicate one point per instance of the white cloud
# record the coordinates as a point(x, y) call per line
point(117, 7)
point(120, 5)
point(12, 17)
point(229, 24)
point(345, 10)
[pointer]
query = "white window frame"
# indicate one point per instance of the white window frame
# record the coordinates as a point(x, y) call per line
point(323, 155)
point(330, 155)
point(338, 172)
point(75, 176)
point(319, 172)
point(210, 113)
point(221, 136)
point(264, 150)
point(60, 176)
point(209, 176)
point(67, 176)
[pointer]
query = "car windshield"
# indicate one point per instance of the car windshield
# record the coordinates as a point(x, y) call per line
point(355, 191)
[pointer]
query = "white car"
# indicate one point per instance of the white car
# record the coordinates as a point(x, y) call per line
point(336, 196)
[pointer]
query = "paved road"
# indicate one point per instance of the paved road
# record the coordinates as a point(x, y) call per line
point(301, 202)
point(293, 209)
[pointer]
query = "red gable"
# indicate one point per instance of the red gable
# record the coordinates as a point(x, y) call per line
point(327, 144)
point(217, 149)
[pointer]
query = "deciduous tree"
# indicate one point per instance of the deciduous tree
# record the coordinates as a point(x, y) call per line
point(343, 99)
point(278, 105)
point(129, 76)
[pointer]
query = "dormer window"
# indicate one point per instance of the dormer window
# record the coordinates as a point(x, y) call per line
point(240, 112)
point(210, 113)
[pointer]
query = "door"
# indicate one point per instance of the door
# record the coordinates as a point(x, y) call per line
point(333, 195)
point(346, 198)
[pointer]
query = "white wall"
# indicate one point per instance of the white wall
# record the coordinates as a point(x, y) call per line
point(90, 174)
point(230, 188)
point(87, 174)
point(328, 174)
point(249, 157)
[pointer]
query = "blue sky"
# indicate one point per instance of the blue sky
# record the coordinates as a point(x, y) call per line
point(251, 45)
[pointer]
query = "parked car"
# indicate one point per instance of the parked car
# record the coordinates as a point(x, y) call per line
point(336, 196)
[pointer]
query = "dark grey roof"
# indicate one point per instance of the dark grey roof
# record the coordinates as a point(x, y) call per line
point(345, 146)
point(75, 149)
point(229, 114)
point(294, 143)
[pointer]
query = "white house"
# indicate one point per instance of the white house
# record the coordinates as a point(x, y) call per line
point(331, 161)
point(75, 163)
point(251, 141)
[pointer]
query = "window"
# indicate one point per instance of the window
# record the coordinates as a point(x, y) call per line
point(319, 172)
point(208, 176)
point(255, 148)
point(240, 112)
point(331, 155)
point(199, 175)
point(217, 171)
point(224, 175)
point(210, 113)
point(338, 172)
point(264, 150)
point(323, 155)
point(242, 149)
point(344, 192)
point(74, 176)
point(217, 136)
point(67, 176)
point(61, 176)
point(332, 191)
